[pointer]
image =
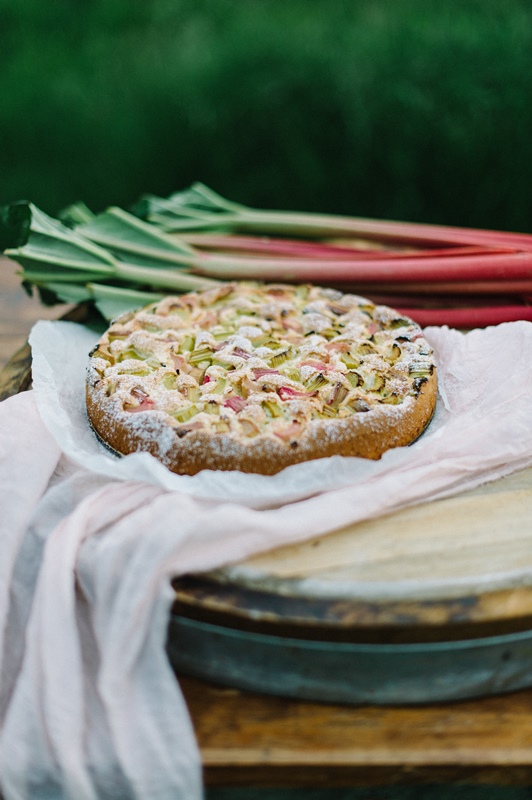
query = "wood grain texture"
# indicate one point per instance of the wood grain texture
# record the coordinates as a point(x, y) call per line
point(452, 569)
point(471, 535)
point(247, 739)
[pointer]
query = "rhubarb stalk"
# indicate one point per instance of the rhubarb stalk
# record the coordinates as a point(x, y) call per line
point(479, 317)
point(199, 208)
point(196, 238)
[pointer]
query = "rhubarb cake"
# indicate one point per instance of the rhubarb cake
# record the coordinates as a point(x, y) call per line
point(256, 377)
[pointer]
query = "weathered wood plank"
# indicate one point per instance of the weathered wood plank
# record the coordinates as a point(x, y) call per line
point(247, 739)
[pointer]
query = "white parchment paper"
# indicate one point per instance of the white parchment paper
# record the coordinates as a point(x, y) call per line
point(482, 374)
point(60, 355)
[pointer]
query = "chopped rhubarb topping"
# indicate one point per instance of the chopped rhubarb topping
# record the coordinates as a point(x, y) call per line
point(206, 379)
point(207, 320)
point(337, 347)
point(337, 309)
point(145, 403)
point(260, 372)
point(292, 324)
point(236, 403)
point(180, 364)
point(241, 353)
point(287, 393)
point(186, 427)
point(312, 362)
point(146, 406)
point(249, 428)
point(291, 431)
point(338, 395)
point(139, 394)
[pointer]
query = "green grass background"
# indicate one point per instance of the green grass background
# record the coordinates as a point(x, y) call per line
point(403, 109)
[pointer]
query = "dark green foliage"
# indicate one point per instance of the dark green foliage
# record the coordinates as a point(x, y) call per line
point(412, 109)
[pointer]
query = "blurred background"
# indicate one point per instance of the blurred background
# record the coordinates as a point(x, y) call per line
point(401, 109)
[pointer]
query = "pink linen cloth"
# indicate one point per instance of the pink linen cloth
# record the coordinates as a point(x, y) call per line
point(89, 706)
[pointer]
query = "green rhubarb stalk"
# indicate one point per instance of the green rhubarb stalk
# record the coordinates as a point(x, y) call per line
point(198, 208)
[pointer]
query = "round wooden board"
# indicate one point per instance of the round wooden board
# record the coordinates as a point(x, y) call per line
point(397, 578)
point(420, 574)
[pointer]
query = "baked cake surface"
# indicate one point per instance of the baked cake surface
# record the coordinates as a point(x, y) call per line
point(256, 377)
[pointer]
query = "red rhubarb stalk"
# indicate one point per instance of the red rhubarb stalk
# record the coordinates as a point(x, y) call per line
point(396, 300)
point(512, 288)
point(252, 245)
point(499, 266)
point(468, 317)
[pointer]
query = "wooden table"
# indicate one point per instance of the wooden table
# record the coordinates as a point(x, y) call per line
point(249, 740)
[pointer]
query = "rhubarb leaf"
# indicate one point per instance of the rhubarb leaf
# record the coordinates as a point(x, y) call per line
point(195, 208)
point(131, 239)
point(54, 253)
point(76, 214)
point(51, 251)
point(68, 292)
point(199, 197)
point(111, 301)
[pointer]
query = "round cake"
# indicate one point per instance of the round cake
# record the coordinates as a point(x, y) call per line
point(256, 377)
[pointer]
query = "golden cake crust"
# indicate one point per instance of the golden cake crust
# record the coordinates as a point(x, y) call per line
point(256, 377)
